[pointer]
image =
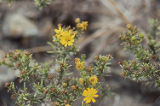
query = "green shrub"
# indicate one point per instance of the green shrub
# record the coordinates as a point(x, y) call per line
point(54, 81)
point(145, 67)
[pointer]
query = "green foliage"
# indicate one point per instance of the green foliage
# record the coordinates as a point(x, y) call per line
point(146, 65)
point(42, 3)
point(38, 3)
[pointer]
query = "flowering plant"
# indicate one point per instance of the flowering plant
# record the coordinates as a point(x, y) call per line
point(56, 81)
point(145, 66)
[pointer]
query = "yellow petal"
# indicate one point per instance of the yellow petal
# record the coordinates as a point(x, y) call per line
point(96, 95)
point(84, 93)
point(88, 101)
point(93, 100)
point(85, 99)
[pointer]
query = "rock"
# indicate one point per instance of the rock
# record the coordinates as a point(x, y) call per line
point(46, 27)
point(157, 102)
point(122, 100)
point(27, 9)
point(16, 25)
point(2, 54)
point(6, 74)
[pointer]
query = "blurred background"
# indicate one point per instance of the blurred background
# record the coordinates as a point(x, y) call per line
point(27, 27)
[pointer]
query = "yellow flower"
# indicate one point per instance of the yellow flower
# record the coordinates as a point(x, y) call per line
point(77, 60)
point(129, 26)
point(3, 60)
point(79, 64)
point(81, 81)
point(90, 94)
point(77, 20)
point(93, 79)
point(67, 105)
point(59, 31)
point(83, 25)
point(56, 104)
point(67, 39)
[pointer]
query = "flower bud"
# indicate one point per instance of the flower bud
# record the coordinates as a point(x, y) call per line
point(45, 91)
point(50, 76)
point(74, 87)
point(97, 57)
point(143, 68)
point(22, 72)
point(152, 56)
point(68, 79)
point(53, 90)
point(64, 85)
point(89, 68)
point(133, 61)
point(141, 35)
point(18, 64)
point(7, 84)
point(126, 37)
point(56, 104)
point(128, 67)
point(81, 81)
point(133, 38)
point(128, 26)
point(27, 53)
point(15, 57)
point(66, 91)
point(110, 56)
point(3, 60)
point(61, 66)
point(65, 101)
point(13, 96)
point(67, 105)
point(123, 74)
point(77, 20)
point(120, 63)
point(10, 53)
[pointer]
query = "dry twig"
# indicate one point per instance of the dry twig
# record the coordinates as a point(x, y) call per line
point(104, 38)
point(118, 11)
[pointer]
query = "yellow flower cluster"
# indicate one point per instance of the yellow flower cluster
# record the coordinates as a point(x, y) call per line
point(65, 36)
point(67, 105)
point(67, 39)
point(81, 25)
point(59, 31)
point(79, 64)
point(93, 80)
point(81, 81)
point(90, 95)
